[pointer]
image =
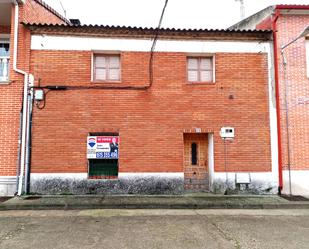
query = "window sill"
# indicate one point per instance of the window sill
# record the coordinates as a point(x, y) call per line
point(200, 83)
point(105, 82)
point(5, 82)
point(102, 177)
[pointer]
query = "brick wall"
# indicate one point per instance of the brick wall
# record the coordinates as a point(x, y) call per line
point(289, 27)
point(11, 94)
point(151, 123)
point(10, 105)
point(36, 11)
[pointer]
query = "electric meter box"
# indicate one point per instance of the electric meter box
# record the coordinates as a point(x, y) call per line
point(39, 94)
point(227, 132)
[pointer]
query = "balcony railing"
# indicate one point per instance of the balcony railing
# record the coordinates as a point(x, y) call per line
point(4, 68)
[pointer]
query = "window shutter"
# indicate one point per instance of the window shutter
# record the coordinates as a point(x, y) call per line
point(114, 65)
point(206, 64)
point(193, 75)
point(206, 76)
point(114, 74)
point(100, 61)
point(192, 63)
point(100, 74)
point(200, 69)
point(114, 62)
point(107, 67)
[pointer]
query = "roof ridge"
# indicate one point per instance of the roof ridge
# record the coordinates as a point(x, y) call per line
point(52, 10)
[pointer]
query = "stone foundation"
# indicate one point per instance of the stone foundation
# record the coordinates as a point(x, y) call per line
point(148, 184)
point(127, 185)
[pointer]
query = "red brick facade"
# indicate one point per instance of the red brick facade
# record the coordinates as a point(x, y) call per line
point(9, 123)
point(11, 92)
point(151, 123)
point(289, 27)
point(288, 23)
point(36, 11)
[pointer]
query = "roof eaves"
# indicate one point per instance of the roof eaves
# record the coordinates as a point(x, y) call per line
point(140, 32)
point(96, 26)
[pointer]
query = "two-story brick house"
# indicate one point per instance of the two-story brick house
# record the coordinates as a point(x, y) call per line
point(114, 117)
point(14, 71)
point(290, 25)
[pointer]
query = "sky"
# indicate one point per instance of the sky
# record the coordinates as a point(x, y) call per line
point(179, 13)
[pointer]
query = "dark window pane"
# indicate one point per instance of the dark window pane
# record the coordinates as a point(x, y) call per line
point(194, 154)
point(4, 49)
point(103, 168)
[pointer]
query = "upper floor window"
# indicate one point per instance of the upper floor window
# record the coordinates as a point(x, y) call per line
point(200, 69)
point(4, 60)
point(106, 67)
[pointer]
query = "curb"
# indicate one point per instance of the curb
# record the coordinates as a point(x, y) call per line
point(7, 207)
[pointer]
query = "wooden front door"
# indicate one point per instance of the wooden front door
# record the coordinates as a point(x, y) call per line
point(196, 161)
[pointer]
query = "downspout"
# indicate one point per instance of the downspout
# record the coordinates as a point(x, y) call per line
point(19, 148)
point(28, 138)
point(274, 28)
point(24, 106)
point(284, 63)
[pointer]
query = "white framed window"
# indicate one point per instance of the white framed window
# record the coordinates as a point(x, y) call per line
point(200, 69)
point(106, 67)
point(4, 59)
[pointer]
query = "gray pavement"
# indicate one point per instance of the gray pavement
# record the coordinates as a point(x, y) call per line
point(168, 228)
point(189, 201)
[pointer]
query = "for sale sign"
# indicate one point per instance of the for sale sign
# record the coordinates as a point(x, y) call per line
point(102, 147)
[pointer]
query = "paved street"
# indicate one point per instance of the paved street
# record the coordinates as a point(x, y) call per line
point(155, 229)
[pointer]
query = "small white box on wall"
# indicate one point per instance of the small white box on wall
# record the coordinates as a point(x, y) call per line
point(39, 94)
point(227, 132)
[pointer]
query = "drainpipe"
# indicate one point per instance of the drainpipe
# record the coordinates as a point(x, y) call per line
point(28, 137)
point(274, 28)
point(284, 63)
point(19, 148)
point(25, 98)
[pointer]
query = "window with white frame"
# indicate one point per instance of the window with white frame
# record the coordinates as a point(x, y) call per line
point(4, 60)
point(106, 67)
point(200, 69)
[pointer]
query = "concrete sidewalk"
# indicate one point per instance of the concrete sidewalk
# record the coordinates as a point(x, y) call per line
point(187, 201)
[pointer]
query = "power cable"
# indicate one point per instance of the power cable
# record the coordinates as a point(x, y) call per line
point(154, 45)
point(151, 60)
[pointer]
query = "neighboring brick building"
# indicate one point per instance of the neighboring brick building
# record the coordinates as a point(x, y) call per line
point(166, 128)
point(287, 23)
point(12, 82)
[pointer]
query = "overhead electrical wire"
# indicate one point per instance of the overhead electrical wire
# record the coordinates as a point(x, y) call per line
point(150, 69)
point(154, 45)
